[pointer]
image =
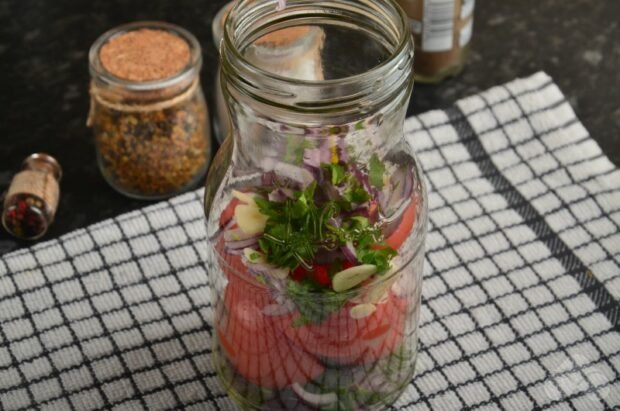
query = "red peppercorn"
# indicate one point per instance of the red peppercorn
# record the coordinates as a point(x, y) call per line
point(321, 276)
point(298, 274)
point(347, 264)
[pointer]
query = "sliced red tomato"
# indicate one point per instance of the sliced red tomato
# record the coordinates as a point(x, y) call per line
point(254, 342)
point(346, 340)
point(229, 212)
point(398, 237)
point(232, 265)
point(380, 347)
point(321, 276)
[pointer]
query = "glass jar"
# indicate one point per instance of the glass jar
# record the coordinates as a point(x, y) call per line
point(152, 137)
point(442, 31)
point(297, 55)
point(221, 121)
point(317, 212)
point(32, 198)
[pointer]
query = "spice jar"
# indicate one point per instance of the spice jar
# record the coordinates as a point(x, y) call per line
point(291, 52)
point(442, 32)
point(317, 213)
point(148, 111)
point(32, 199)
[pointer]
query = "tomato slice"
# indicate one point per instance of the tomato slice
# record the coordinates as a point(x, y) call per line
point(386, 343)
point(254, 342)
point(270, 352)
point(231, 264)
point(229, 212)
point(345, 340)
point(398, 237)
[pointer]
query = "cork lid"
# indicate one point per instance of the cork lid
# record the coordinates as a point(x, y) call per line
point(145, 54)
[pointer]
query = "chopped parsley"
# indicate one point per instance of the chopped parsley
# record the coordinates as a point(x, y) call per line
point(376, 170)
point(295, 147)
point(298, 228)
point(313, 310)
point(336, 173)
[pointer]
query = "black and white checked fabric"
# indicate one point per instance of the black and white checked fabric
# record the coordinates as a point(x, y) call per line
point(521, 288)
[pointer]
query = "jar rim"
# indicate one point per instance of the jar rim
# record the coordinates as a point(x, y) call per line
point(400, 55)
point(394, 54)
point(191, 69)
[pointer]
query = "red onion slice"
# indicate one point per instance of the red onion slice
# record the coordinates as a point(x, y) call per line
point(236, 234)
point(295, 173)
point(349, 252)
point(315, 399)
point(241, 244)
point(280, 195)
point(402, 185)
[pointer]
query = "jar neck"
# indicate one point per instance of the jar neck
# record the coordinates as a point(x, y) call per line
point(362, 92)
point(111, 88)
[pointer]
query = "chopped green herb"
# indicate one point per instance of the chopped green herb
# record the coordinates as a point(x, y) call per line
point(298, 228)
point(336, 173)
point(295, 147)
point(355, 193)
point(313, 310)
point(376, 170)
point(360, 221)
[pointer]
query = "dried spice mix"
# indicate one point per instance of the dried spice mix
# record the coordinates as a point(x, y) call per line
point(148, 112)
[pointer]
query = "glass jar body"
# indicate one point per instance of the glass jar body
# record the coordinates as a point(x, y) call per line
point(307, 331)
point(155, 153)
point(152, 139)
point(221, 121)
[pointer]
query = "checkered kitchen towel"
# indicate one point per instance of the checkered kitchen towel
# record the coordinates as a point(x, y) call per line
point(521, 287)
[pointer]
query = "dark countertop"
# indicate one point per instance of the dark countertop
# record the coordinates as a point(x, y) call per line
point(44, 83)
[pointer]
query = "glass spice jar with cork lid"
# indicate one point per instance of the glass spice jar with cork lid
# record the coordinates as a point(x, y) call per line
point(442, 31)
point(148, 112)
point(32, 199)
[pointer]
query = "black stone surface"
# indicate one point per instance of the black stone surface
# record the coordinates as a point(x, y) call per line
point(44, 78)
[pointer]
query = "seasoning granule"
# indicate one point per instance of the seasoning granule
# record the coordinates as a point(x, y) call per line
point(145, 55)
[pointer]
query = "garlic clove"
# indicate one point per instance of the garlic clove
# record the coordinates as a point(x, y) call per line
point(362, 311)
point(250, 219)
point(243, 197)
point(254, 256)
point(349, 278)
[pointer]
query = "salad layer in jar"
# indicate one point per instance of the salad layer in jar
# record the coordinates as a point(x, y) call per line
point(321, 263)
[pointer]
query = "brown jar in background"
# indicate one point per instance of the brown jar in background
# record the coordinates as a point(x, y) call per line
point(32, 199)
point(442, 32)
point(148, 112)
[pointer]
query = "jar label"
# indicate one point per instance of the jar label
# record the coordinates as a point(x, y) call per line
point(467, 9)
point(42, 185)
point(466, 31)
point(438, 29)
